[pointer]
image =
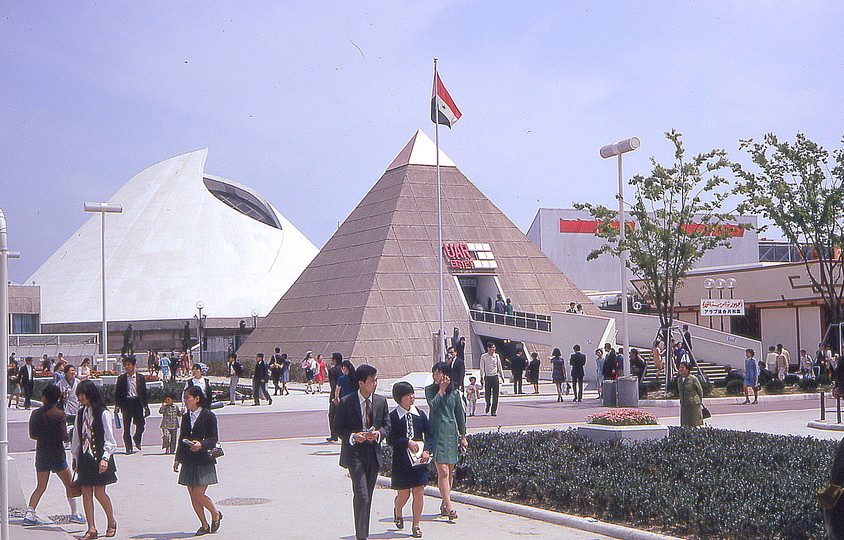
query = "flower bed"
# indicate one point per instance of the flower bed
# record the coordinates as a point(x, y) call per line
point(701, 483)
point(622, 417)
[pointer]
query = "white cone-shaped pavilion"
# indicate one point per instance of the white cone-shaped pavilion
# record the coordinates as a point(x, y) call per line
point(183, 237)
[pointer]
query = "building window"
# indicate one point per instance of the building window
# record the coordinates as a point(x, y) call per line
point(23, 323)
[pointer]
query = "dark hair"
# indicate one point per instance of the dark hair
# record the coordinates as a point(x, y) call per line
point(751, 351)
point(88, 389)
point(534, 355)
point(337, 358)
point(259, 355)
point(576, 348)
point(284, 356)
point(278, 349)
point(68, 366)
point(634, 352)
point(131, 359)
point(50, 395)
point(196, 366)
point(13, 361)
point(489, 344)
point(170, 395)
point(233, 356)
point(363, 372)
point(442, 367)
point(86, 360)
point(196, 392)
point(28, 359)
point(401, 389)
point(772, 348)
point(556, 352)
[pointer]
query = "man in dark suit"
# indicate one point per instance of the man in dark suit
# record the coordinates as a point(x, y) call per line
point(27, 378)
point(130, 396)
point(610, 370)
point(517, 368)
point(334, 373)
point(259, 380)
point(362, 423)
point(458, 368)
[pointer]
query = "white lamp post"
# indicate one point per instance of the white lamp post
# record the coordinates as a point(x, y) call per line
point(254, 318)
point(5, 255)
point(610, 150)
point(103, 209)
point(199, 306)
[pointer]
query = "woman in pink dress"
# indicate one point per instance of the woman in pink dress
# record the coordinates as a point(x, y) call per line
point(320, 372)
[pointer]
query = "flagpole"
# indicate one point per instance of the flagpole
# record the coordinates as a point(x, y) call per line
point(439, 220)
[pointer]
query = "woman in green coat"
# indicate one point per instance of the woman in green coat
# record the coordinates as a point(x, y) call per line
point(447, 419)
point(691, 397)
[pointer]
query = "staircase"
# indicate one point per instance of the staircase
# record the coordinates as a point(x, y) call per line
point(712, 372)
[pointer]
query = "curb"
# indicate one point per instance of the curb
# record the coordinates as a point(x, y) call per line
point(737, 400)
point(817, 424)
point(557, 518)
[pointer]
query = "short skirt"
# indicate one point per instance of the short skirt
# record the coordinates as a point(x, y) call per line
point(88, 471)
point(198, 475)
point(285, 375)
point(50, 464)
point(750, 382)
point(309, 374)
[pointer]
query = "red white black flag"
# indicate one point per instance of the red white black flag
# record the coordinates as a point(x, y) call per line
point(443, 109)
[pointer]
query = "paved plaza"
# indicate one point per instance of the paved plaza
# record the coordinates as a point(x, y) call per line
point(293, 486)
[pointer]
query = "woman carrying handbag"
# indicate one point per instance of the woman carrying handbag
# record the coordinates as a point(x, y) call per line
point(197, 439)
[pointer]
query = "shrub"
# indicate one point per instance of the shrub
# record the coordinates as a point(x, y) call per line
point(654, 385)
point(696, 483)
point(622, 417)
point(791, 380)
point(808, 385)
point(671, 388)
point(735, 388)
point(765, 377)
point(644, 388)
point(775, 386)
point(707, 387)
point(734, 376)
point(721, 383)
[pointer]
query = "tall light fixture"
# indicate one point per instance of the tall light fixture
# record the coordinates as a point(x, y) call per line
point(103, 209)
point(608, 151)
point(5, 255)
point(199, 306)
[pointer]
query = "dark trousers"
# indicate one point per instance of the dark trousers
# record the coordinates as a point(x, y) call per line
point(133, 411)
point(259, 388)
point(171, 436)
point(27, 395)
point(517, 382)
point(491, 389)
point(363, 474)
point(332, 411)
point(577, 382)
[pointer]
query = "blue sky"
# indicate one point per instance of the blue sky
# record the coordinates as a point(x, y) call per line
point(309, 102)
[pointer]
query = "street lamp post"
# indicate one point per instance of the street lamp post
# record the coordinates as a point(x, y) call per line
point(254, 319)
point(199, 306)
point(103, 209)
point(709, 284)
point(719, 284)
point(5, 255)
point(610, 150)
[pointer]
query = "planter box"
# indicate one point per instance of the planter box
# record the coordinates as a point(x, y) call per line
point(599, 433)
point(155, 384)
point(109, 379)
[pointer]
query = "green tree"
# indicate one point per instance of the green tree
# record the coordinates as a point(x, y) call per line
point(676, 218)
point(796, 190)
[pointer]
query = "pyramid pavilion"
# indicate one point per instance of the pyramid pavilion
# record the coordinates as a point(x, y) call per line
point(372, 291)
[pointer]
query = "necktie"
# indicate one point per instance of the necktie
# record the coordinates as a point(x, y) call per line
point(409, 420)
point(368, 409)
point(87, 447)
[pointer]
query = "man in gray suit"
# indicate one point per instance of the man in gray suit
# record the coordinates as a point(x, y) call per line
point(362, 422)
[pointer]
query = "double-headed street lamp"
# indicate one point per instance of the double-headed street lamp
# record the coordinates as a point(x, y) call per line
point(608, 151)
point(103, 209)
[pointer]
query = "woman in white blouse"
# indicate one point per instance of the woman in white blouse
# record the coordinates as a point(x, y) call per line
point(92, 447)
point(84, 370)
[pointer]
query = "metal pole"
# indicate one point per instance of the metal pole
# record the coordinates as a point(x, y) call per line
point(823, 408)
point(4, 357)
point(439, 227)
point(838, 408)
point(105, 324)
point(623, 232)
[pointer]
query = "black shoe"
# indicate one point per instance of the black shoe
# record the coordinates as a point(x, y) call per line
point(129, 451)
point(271, 402)
point(202, 531)
point(215, 524)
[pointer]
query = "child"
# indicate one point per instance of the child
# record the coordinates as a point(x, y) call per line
point(473, 392)
point(408, 430)
point(170, 413)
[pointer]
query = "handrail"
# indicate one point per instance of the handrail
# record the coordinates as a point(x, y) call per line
point(529, 321)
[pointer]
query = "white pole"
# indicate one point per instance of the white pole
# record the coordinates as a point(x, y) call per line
point(102, 260)
point(623, 232)
point(4, 358)
point(439, 222)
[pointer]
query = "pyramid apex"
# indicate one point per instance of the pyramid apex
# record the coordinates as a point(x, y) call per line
point(420, 150)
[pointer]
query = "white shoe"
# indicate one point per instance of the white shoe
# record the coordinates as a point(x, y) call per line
point(76, 518)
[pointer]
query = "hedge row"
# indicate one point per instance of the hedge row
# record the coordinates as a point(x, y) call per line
point(155, 395)
point(703, 483)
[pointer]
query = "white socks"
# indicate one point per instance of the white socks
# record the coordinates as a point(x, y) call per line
point(73, 508)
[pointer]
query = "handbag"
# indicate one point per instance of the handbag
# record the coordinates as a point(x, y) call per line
point(704, 412)
point(216, 452)
point(829, 496)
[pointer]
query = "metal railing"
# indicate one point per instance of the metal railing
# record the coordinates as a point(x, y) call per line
point(520, 319)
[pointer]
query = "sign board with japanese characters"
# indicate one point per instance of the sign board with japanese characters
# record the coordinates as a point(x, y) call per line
point(717, 307)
